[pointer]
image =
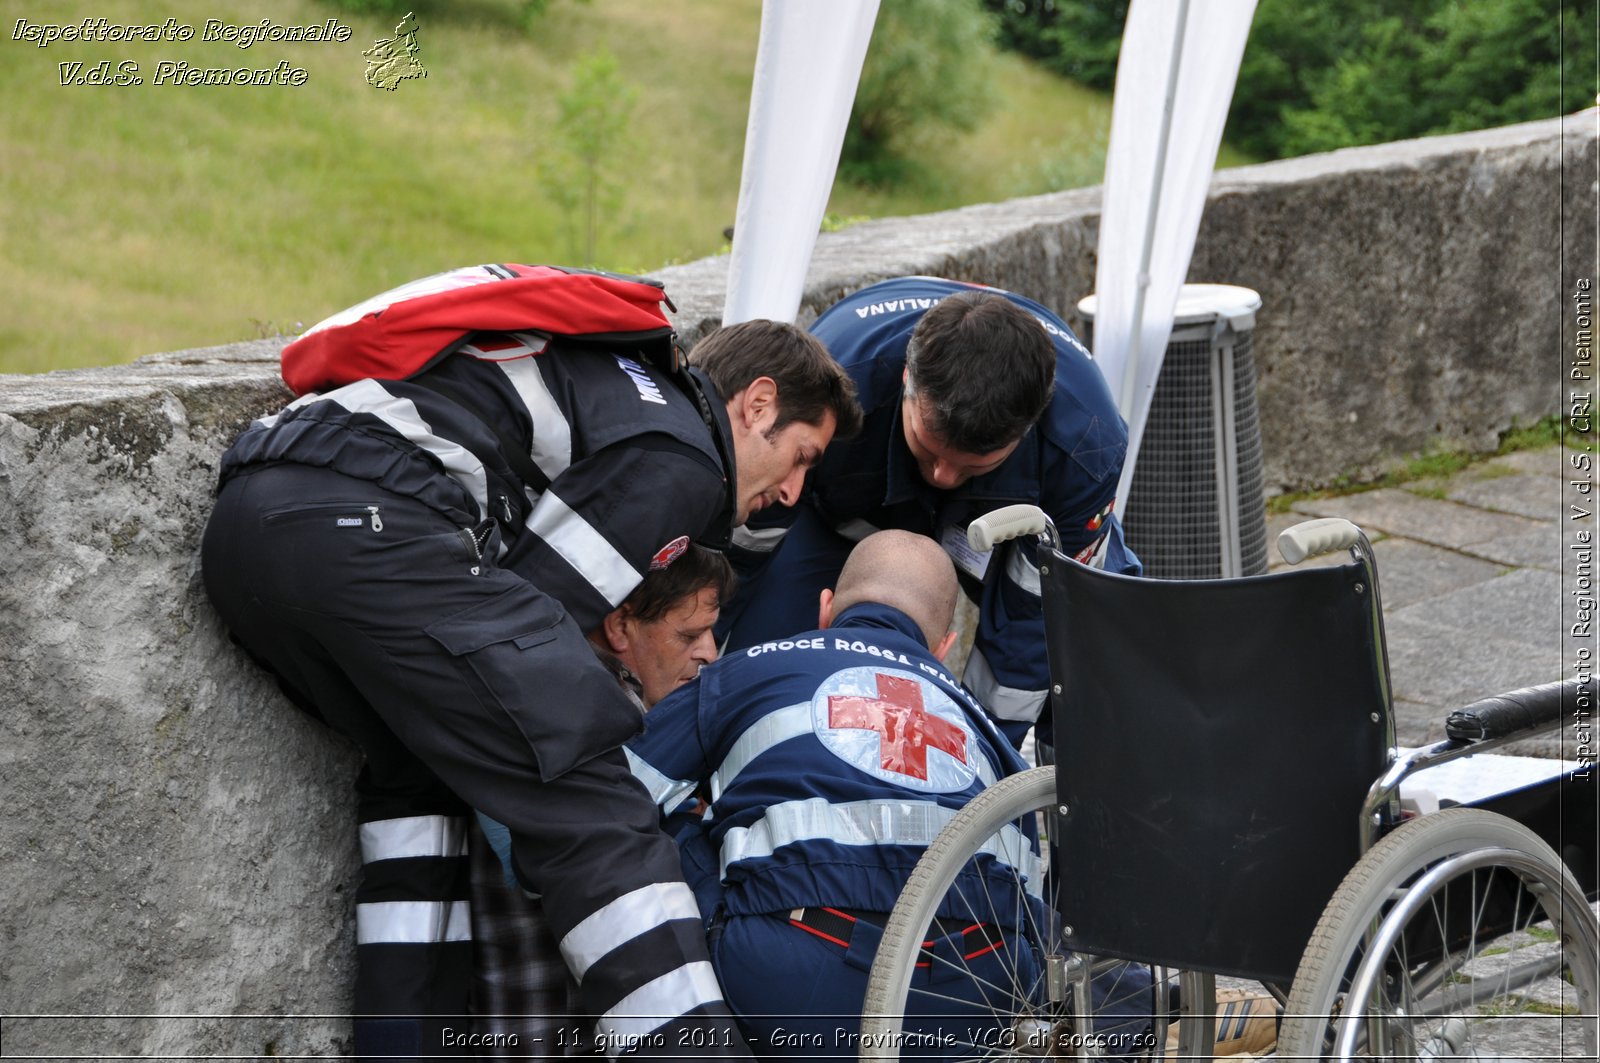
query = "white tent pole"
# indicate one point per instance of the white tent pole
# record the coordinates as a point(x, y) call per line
point(808, 63)
point(1130, 367)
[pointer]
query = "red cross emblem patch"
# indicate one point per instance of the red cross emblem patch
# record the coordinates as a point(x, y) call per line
point(888, 722)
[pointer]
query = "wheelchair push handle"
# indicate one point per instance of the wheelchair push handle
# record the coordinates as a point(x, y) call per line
point(1313, 538)
point(1008, 522)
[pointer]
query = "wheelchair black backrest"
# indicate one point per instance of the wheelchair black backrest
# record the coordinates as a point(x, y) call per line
point(1214, 742)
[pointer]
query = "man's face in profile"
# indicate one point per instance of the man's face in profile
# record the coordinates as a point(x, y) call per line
point(669, 651)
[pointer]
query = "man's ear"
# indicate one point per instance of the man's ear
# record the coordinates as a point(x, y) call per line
point(946, 644)
point(758, 403)
point(824, 608)
point(614, 629)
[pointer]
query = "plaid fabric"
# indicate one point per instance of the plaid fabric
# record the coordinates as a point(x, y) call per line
point(520, 984)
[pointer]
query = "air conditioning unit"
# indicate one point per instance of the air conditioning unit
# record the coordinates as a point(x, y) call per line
point(1197, 507)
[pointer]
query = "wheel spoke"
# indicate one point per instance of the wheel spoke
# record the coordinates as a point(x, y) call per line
point(1440, 925)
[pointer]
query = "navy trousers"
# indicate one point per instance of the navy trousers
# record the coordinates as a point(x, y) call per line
point(798, 994)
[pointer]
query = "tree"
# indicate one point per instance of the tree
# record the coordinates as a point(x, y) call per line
point(927, 68)
point(1446, 68)
point(1323, 74)
point(1078, 39)
point(580, 157)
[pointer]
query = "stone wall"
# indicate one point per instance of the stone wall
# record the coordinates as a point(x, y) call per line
point(176, 840)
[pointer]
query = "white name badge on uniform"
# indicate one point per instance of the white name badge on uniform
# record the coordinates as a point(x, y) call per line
point(968, 560)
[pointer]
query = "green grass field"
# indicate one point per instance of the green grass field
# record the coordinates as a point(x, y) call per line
point(144, 218)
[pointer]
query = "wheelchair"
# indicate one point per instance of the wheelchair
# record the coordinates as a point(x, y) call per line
point(1226, 763)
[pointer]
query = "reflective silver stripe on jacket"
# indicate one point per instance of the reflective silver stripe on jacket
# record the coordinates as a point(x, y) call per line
point(1003, 702)
point(1021, 571)
point(792, 722)
point(552, 435)
point(895, 822)
point(777, 726)
point(584, 548)
point(655, 1004)
point(369, 396)
point(412, 922)
point(759, 540)
point(664, 791)
point(856, 530)
point(399, 839)
point(624, 919)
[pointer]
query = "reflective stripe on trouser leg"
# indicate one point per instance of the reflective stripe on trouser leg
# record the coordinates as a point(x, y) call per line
point(413, 935)
point(628, 927)
point(660, 914)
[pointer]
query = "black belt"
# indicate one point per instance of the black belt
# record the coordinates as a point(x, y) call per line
point(838, 925)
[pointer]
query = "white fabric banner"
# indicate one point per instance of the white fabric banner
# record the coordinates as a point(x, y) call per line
point(1175, 78)
point(807, 67)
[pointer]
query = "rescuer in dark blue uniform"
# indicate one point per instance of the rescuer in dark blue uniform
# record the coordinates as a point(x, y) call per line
point(835, 757)
point(376, 549)
point(975, 398)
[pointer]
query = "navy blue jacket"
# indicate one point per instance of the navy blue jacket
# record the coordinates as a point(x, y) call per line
point(834, 758)
point(1068, 464)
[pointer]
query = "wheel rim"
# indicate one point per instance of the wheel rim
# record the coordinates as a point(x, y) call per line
point(1490, 997)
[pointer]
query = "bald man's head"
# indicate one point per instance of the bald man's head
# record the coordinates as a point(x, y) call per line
point(906, 571)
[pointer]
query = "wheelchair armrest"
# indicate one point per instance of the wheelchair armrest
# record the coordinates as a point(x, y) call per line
point(1527, 710)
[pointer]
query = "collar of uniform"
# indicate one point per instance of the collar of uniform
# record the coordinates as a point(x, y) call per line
point(881, 617)
point(629, 682)
point(719, 535)
point(902, 479)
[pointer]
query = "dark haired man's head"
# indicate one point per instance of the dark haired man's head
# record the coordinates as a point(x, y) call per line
point(662, 631)
point(980, 370)
point(694, 570)
point(787, 399)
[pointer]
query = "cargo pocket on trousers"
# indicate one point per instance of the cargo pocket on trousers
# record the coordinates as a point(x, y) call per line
point(530, 659)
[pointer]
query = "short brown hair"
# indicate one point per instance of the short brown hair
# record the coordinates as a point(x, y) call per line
point(690, 573)
point(810, 382)
point(985, 367)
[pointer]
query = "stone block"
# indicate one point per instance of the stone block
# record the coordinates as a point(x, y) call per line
point(1539, 548)
point(1410, 572)
point(1428, 520)
point(1543, 461)
point(1537, 497)
point(1440, 664)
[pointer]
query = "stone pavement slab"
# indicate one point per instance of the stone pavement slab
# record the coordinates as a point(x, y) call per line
point(1417, 723)
point(1472, 585)
point(1540, 548)
point(1538, 497)
point(1429, 520)
point(1518, 607)
point(1439, 666)
point(1545, 461)
point(1410, 572)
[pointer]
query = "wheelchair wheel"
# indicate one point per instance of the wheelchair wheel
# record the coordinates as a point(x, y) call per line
point(1026, 1011)
point(1461, 935)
